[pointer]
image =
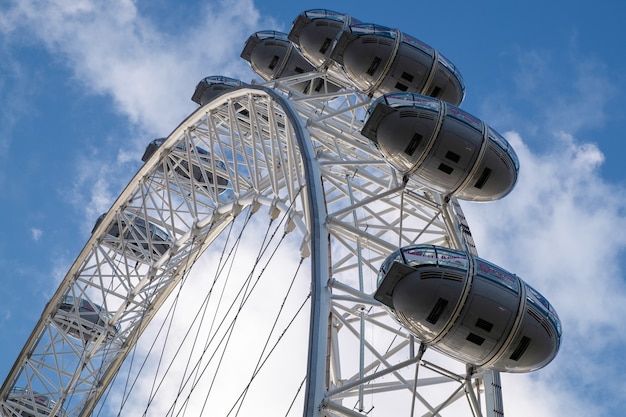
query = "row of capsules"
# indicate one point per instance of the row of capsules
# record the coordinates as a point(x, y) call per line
point(455, 302)
point(133, 238)
point(85, 320)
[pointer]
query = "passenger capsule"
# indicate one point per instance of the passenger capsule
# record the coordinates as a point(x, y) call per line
point(380, 60)
point(316, 32)
point(211, 87)
point(199, 155)
point(272, 55)
point(469, 309)
point(442, 146)
point(82, 318)
point(138, 237)
point(30, 404)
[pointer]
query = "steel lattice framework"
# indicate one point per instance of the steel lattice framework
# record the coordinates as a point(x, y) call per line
point(303, 156)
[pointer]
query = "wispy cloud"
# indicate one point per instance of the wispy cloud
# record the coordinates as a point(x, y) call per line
point(113, 50)
point(561, 228)
point(557, 230)
point(13, 86)
point(36, 233)
point(563, 91)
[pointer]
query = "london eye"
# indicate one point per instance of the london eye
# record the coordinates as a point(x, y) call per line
point(297, 246)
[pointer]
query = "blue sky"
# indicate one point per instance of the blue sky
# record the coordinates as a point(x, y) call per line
point(85, 85)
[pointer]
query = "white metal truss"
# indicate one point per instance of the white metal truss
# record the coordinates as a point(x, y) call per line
point(304, 156)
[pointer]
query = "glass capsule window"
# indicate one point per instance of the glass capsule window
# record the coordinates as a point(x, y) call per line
point(87, 306)
point(410, 40)
point(452, 258)
point(159, 233)
point(141, 223)
point(220, 79)
point(420, 255)
point(537, 299)
point(68, 299)
point(554, 318)
point(158, 142)
point(543, 305)
point(496, 274)
point(373, 29)
point(403, 99)
point(83, 304)
point(464, 117)
point(25, 395)
point(373, 105)
point(325, 14)
point(181, 147)
point(272, 34)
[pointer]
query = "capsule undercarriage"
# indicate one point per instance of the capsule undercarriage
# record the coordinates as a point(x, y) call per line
point(469, 309)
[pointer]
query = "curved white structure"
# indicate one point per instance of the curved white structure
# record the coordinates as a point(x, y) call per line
point(294, 146)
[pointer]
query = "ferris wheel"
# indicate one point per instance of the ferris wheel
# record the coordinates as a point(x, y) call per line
point(295, 247)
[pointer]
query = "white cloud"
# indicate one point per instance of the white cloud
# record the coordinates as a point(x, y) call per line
point(561, 229)
point(13, 86)
point(115, 51)
point(150, 75)
point(553, 92)
point(524, 395)
point(245, 340)
point(36, 233)
point(557, 230)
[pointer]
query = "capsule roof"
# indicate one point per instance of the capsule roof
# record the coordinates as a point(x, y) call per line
point(210, 87)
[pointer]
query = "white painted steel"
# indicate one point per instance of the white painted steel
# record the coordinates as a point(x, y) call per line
point(278, 147)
